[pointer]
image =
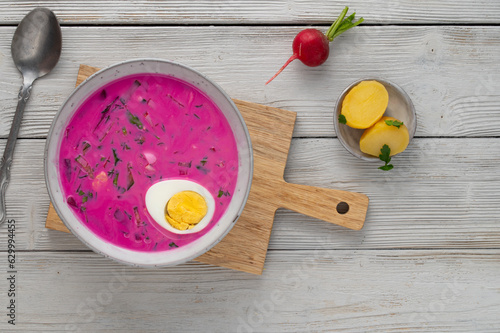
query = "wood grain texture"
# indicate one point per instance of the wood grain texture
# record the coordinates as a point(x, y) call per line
point(443, 193)
point(448, 71)
point(347, 209)
point(300, 291)
point(53, 221)
point(255, 11)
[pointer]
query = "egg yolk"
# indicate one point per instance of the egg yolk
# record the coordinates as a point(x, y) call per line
point(185, 209)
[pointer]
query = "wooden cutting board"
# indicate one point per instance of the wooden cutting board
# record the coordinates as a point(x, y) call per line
point(244, 248)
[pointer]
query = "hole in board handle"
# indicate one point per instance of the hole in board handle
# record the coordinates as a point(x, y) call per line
point(342, 207)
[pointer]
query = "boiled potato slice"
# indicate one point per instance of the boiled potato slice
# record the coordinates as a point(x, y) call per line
point(365, 104)
point(380, 134)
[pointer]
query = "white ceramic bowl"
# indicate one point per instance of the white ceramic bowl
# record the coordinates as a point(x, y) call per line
point(245, 163)
point(400, 107)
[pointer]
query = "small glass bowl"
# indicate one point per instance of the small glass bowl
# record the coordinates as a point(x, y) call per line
point(400, 107)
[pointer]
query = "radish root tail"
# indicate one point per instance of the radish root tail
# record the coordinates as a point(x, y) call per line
point(292, 58)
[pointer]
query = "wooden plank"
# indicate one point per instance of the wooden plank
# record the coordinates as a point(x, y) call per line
point(340, 291)
point(443, 193)
point(256, 11)
point(423, 60)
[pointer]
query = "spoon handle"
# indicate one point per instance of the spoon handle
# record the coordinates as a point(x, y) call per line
point(8, 153)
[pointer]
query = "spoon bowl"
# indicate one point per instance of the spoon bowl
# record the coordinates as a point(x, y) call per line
point(36, 48)
point(37, 43)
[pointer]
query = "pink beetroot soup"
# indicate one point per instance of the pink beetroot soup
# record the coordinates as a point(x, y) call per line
point(132, 133)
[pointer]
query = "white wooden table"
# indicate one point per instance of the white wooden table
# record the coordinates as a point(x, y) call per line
point(428, 258)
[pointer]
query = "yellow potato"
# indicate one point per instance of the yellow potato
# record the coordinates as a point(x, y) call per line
point(380, 134)
point(365, 104)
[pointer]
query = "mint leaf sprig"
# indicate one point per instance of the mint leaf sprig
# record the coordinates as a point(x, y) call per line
point(384, 156)
point(342, 119)
point(395, 123)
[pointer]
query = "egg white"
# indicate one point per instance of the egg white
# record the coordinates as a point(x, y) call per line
point(160, 193)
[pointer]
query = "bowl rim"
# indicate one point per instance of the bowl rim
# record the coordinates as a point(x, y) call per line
point(338, 107)
point(245, 194)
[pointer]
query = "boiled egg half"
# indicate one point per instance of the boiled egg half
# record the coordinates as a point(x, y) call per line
point(180, 206)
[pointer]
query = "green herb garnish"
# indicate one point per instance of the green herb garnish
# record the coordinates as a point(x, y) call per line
point(134, 120)
point(140, 140)
point(115, 156)
point(172, 244)
point(202, 169)
point(130, 177)
point(385, 157)
point(222, 193)
point(342, 119)
point(395, 123)
point(86, 147)
point(125, 146)
point(115, 179)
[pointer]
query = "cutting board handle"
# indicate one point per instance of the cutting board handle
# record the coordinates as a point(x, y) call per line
point(347, 209)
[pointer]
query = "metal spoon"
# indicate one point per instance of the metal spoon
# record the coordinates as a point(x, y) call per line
point(36, 48)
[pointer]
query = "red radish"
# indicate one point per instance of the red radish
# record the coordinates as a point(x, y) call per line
point(311, 46)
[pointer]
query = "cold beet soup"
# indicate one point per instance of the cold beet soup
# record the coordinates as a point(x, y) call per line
point(133, 133)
